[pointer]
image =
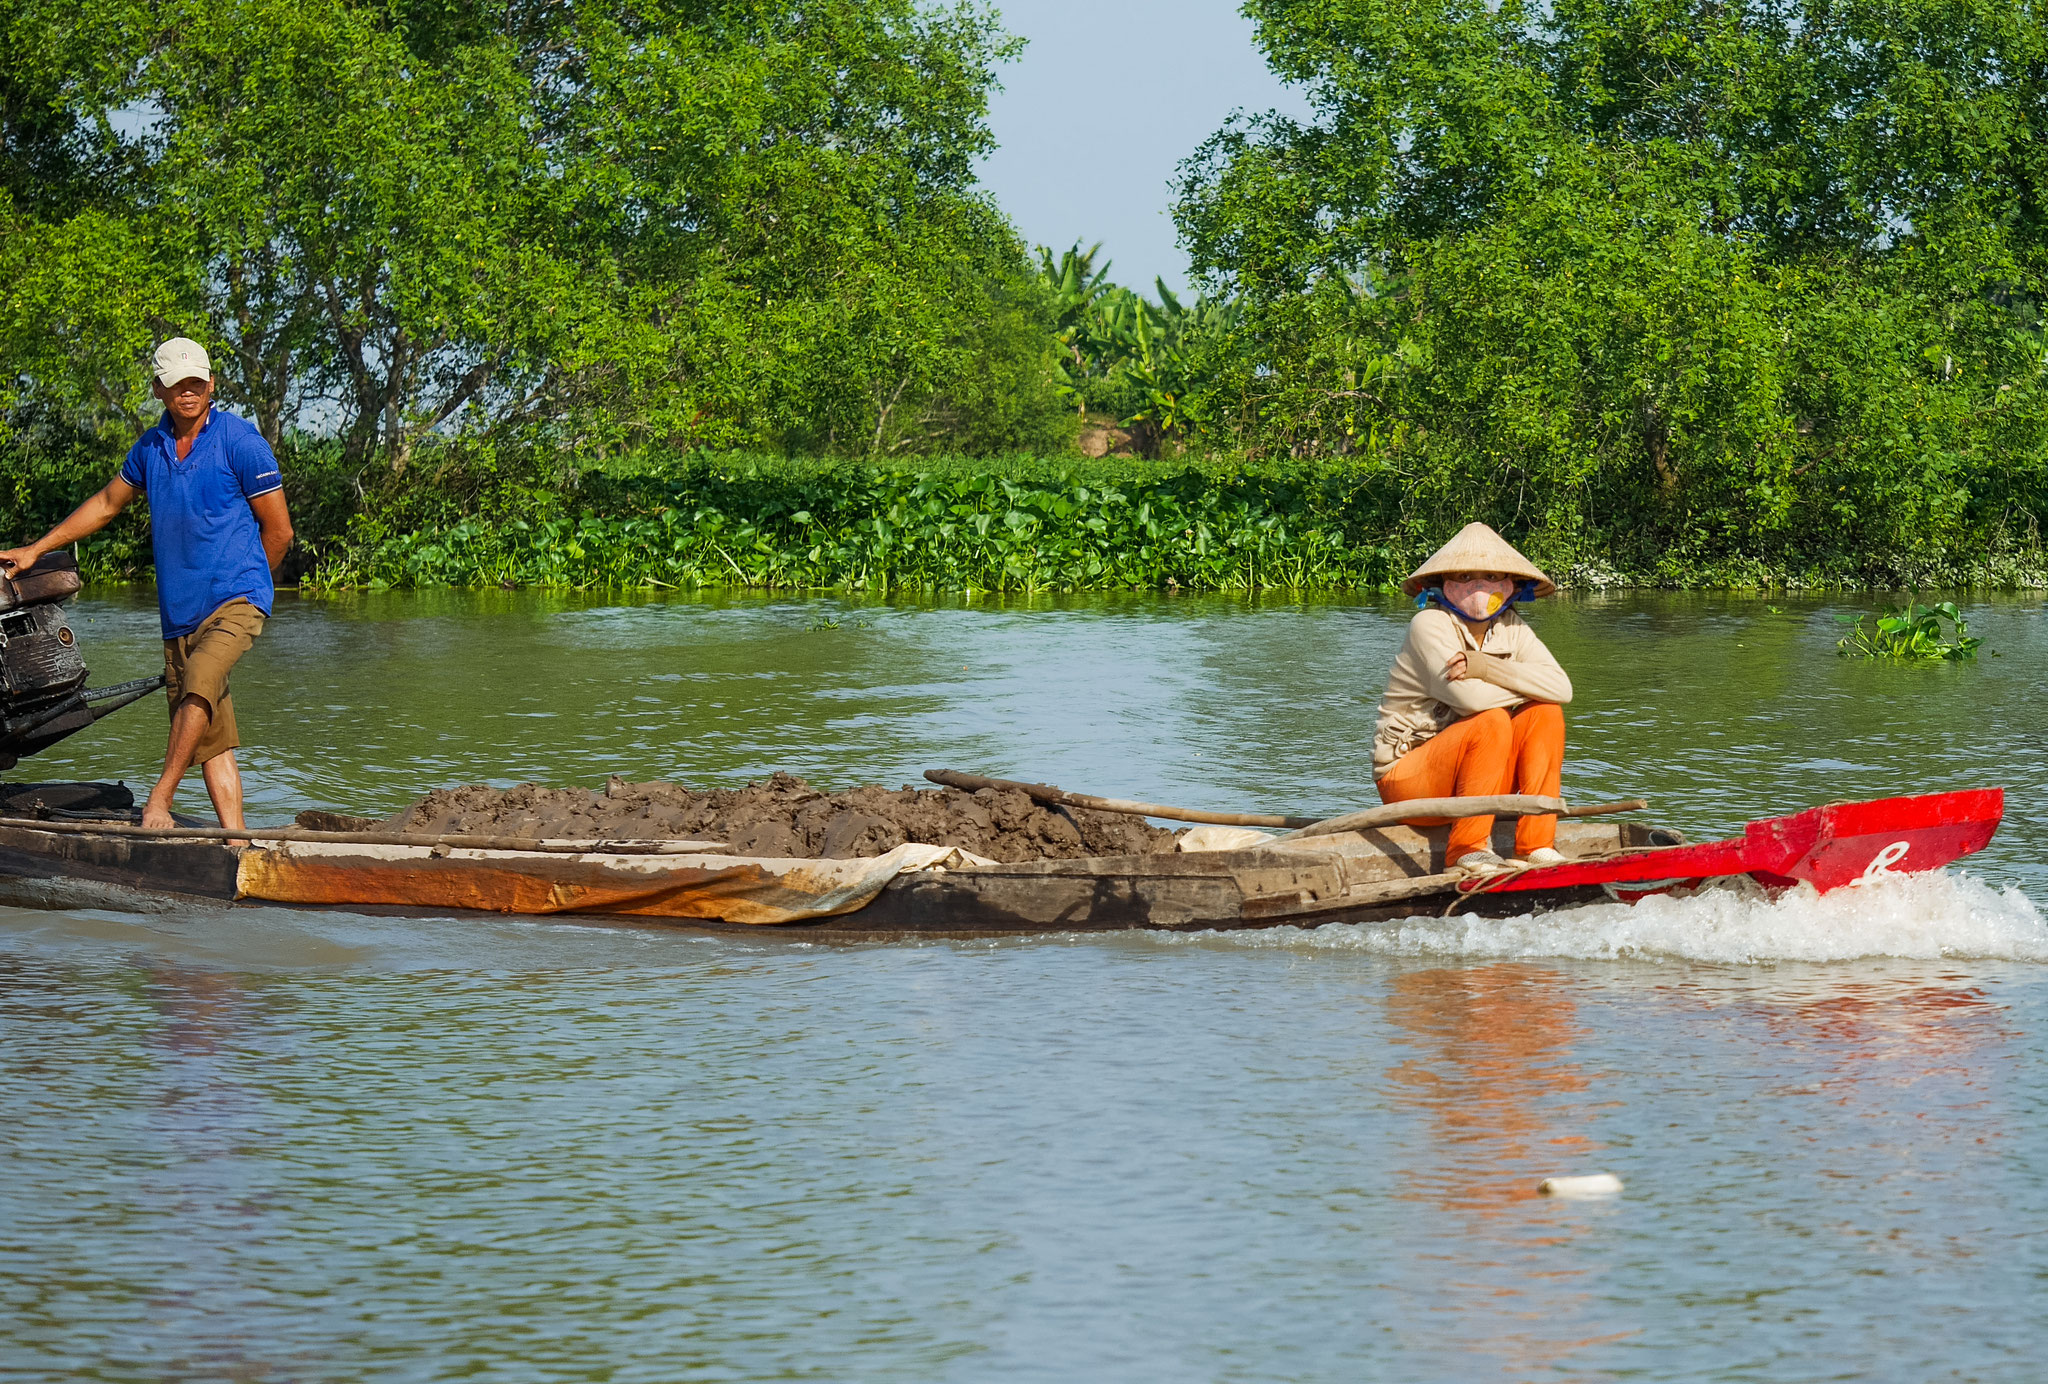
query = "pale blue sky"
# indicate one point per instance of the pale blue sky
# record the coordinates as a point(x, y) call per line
point(1107, 99)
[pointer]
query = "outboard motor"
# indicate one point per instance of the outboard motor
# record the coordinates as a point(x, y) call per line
point(43, 696)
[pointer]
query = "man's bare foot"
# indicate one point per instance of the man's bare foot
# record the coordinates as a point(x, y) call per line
point(157, 818)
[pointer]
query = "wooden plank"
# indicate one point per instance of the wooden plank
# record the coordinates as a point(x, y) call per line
point(986, 903)
point(536, 845)
point(204, 869)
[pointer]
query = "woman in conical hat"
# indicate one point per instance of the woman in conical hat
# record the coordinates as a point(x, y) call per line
point(1474, 705)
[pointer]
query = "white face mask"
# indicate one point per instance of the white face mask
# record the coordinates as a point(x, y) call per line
point(1479, 598)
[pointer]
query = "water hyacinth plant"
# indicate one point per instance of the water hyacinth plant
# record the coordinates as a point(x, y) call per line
point(881, 529)
point(1913, 634)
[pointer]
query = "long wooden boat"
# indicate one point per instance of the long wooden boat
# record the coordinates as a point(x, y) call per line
point(923, 891)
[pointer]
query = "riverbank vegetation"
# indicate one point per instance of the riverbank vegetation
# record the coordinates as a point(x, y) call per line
point(706, 294)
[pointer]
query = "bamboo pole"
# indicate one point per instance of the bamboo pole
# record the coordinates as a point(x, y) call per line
point(367, 838)
point(1503, 805)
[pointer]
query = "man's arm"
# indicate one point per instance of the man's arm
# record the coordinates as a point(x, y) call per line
point(273, 523)
point(89, 518)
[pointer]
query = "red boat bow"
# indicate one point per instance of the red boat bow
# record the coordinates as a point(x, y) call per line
point(1828, 847)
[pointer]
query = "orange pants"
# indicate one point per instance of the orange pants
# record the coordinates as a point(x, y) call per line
point(1488, 752)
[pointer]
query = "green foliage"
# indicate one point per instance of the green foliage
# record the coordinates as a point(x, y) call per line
point(1681, 289)
point(1914, 633)
point(726, 520)
point(1148, 365)
point(74, 340)
point(733, 222)
point(1087, 353)
point(1690, 295)
point(47, 466)
point(64, 62)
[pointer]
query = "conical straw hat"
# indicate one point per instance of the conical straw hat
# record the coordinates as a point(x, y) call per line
point(1477, 548)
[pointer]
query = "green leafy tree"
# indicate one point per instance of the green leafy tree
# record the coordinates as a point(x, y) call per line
point(64, 68)
point(595, 224)
point(816, 268)
point(1687, 283)
point(81, 291)
point(372, 227)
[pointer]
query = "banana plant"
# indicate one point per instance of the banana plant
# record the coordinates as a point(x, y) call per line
point(1176, 344)
point(1077, 287)
point(1139, 360)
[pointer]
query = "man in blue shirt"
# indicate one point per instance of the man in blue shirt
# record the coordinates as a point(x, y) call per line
point(218, 527)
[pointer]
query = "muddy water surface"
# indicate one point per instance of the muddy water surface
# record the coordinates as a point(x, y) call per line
point(257, 1144)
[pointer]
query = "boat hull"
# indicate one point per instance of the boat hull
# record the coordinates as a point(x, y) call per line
point(1837, 846)
point(1380, 875)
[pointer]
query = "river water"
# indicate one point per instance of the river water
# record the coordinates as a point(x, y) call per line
point(258, 1144)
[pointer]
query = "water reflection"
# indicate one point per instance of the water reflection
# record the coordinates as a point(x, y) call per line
point(205, 1136)
point(1494, 1054)
point(1918, 1063)
point(1909, 1021)
point(1491, 1068)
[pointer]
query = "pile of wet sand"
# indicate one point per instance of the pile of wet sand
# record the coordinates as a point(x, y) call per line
point(787, 817)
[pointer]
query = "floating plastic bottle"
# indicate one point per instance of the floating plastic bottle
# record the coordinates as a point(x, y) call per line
point(1587, 1188)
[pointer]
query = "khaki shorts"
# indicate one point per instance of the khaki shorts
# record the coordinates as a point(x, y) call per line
point(198, 664)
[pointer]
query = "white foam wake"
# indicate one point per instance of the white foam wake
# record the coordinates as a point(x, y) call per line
point(1927, 916)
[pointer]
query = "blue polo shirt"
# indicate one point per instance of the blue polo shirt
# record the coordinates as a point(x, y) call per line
point(208, 547)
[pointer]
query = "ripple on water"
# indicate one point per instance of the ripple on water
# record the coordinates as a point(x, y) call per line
point(1941, 916)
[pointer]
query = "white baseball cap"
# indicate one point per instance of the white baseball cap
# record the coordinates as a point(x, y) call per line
point(182, 358)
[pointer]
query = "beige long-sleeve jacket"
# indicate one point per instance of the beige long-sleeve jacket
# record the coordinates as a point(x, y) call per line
point(1510, 668)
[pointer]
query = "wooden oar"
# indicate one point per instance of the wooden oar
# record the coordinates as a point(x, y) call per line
point(1046, 793)
point(1505, 805)
point(369, 838)
point(1511, 805)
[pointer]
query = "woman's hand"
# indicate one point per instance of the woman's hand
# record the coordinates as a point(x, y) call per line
point(1456, 670)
